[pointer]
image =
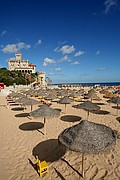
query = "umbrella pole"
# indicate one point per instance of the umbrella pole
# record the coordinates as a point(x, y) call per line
point(23, 107)
point(83, 165)
point(65, 108)
point(117, 109)
point(31, 108)
point(44, 126)
point(87, 115)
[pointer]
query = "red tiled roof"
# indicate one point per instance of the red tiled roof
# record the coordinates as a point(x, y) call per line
point(31, 65)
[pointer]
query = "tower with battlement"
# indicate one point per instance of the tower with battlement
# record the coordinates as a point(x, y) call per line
point(41, 79)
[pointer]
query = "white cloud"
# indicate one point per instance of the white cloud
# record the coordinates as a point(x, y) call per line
point(3, 33)
point(39, 42)
point(79, 53)
point(66, 49)
point(14, 48)
point(110, 4)
point(52, 73)
point(60, 43)
point(102, 69)
point(48, 61)
point(75, 62)
point(56, 49)
point(58, 69)
point(98, 52)
point(84, 74)
point(65, 58)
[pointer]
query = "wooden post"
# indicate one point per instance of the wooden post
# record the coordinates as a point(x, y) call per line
point(44, 126)
point(83, 165)
point(65, 108)
point(87, 115)
point(117, 109)
point(31, 108)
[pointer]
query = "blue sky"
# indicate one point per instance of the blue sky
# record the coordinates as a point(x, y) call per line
point(71, 40)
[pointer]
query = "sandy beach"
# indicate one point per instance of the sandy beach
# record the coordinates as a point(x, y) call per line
point(19, 144)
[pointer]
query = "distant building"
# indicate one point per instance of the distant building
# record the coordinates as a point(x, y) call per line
point(41, 78)
point(18, 64)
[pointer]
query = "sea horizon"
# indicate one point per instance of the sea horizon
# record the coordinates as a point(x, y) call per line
point(91, 84)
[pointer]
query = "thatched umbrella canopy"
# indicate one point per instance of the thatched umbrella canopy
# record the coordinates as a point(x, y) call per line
point(28, 101)
point(29, 92)
point(42, 93)
point(91, 91)
point(115, 100)
point(73, 94)
point(62, 93)
point(88, 106)
point(65, 100)
point(109, 95)
point(81, 91)
point(50, 97)
point(88, 137)
point(103, 91)
point(14, 96)
point(45, 111)
point(93, 96)
point(17, 95)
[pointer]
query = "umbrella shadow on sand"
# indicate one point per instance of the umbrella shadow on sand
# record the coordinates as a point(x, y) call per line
point(14, 104)
point(18, 109)
point(49, 150)
point(100, 112)
point(70, 118)
point(118, 119)
point(22, 115)
point(31, 126)
point(99, 103)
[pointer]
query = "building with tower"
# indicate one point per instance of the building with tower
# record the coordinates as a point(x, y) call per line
point(18, 64)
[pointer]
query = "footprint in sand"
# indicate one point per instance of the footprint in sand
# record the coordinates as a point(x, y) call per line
point(117, 171)
point(109, 160)
point(91, 173)
point(101, 174)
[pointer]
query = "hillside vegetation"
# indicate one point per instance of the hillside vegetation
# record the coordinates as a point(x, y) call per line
point(11, 77)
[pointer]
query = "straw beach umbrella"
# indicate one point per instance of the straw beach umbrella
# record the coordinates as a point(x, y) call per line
point(88, 137)
point(93, 96)
point(65, 100)
point(115, 100)
point(45, 111)
point(88, 106)
point(27, 101)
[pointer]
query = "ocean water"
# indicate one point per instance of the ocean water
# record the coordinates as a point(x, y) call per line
point(93, 84)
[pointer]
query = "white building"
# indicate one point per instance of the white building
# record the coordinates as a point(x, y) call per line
point(41, 79)
point(18, 64)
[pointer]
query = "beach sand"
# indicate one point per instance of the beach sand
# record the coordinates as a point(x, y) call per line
point(19, 144)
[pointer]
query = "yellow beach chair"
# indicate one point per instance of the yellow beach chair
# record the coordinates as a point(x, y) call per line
point(40, 97)
point(42, 166)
